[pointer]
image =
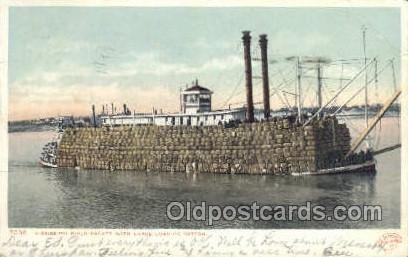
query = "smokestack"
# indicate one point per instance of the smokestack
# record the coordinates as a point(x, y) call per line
point(103, 109)
point(246, 39)
point(263, 43)
point(124, 109)
point(93, 115)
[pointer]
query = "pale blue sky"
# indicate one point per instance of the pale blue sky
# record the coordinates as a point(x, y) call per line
point(62, 59)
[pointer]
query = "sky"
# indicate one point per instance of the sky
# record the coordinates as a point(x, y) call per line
point(64, 59)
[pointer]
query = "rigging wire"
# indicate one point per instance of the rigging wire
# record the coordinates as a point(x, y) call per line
point(234, 90)
point(359, 90)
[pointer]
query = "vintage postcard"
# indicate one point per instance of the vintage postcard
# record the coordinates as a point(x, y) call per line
point(202, 128)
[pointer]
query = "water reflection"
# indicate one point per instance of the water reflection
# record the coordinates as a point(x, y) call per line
point(130, 199)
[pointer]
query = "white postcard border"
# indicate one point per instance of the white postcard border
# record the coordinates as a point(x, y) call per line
point(214, 236)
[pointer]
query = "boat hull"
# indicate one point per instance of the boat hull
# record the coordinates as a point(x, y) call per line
point(47, 164)
point(368, 166)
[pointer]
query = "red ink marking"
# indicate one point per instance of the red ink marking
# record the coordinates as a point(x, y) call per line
point(389, 241)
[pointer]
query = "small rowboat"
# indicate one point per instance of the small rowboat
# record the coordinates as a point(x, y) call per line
point(47, 164)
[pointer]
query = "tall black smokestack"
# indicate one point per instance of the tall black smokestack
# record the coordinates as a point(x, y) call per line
point(263, 43)
point(246, 39)
point(124, 109)
point(93, 115)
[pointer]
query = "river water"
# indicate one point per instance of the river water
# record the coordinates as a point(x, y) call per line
point(48, 198)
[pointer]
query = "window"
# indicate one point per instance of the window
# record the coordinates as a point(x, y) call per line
point(205, 98)
point(192, 99)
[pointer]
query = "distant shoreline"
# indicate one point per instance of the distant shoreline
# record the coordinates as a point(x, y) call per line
point(29, 128)
point(25, 126)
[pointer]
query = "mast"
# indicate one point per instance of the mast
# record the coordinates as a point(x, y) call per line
point(319, 85)
point(394, 80)
point(376, 78)
point(298, 89)
point(180, 96)
point(365, 78)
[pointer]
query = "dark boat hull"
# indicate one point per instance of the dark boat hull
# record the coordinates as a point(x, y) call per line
point(365, 166)
point(47, 164)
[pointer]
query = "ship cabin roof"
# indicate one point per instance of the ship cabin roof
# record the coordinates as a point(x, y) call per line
point(197, 88)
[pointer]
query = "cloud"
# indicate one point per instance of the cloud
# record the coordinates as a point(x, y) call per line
point(286, 40)
point(152, 64)
point(72, 89)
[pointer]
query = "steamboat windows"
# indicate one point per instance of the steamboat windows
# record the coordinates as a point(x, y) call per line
point(173, 121)
point(205, 99)
point(193, 99)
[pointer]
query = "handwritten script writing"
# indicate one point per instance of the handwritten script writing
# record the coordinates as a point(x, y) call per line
point(182, 244)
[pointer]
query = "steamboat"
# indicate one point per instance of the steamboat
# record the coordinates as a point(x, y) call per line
point(233, 126)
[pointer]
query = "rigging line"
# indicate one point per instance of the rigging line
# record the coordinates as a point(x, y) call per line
point(344, 60)
point(257, 82)
point(359, 90)
point(284, 80)
point(279, 72)
point(327, 94)
point(279, 86)
point(309, 85)
point(339, 92)
point(376, 80)
point(377, 136)
point(281, 99)
point(335, 64)
point(275, 91)
point(341, 75)
point(234, 90)
point(377, 34)
point(286, 99)
point(373, 79)
point(394, 80)
point(273, 88)
point(253, 85)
